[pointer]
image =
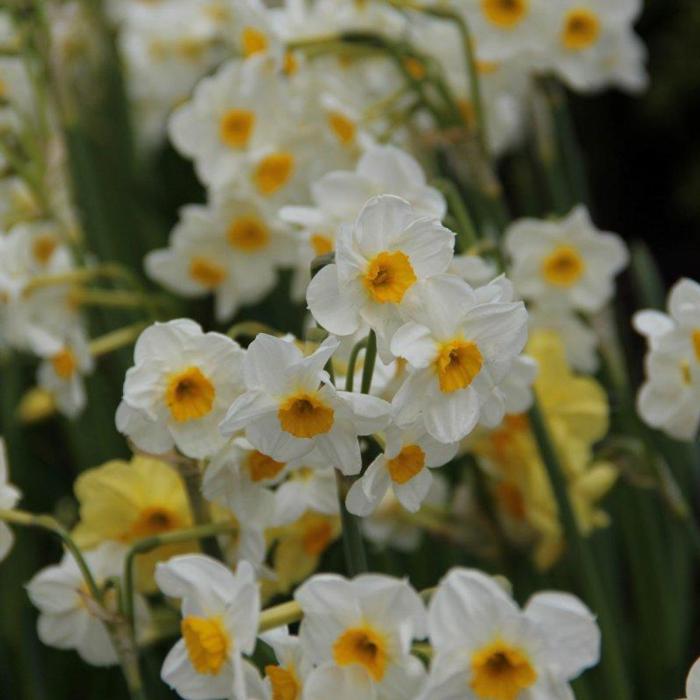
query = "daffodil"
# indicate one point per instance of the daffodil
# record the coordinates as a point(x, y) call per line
point(363, 629)
point(179, 388)
point(70, 618)
point(461, 345)
point(669, 398)
point(486, 648)
point(290, 406)
point(569, 263)
point(379, 258)
point(576, 412)
point(404, 466)
point(286, 679)
point(692, 684)
point(9, 497)
point(127, 501)
point(220, 611)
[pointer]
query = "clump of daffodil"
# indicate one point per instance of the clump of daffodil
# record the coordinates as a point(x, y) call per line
point(298, 547)
point(576, 410)
point(127, 501)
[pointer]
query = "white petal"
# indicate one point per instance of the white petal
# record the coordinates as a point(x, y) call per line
point(451, 417)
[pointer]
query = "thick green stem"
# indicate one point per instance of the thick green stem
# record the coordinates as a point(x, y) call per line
point(612, 662)
point(370, 361)
point(353, 546)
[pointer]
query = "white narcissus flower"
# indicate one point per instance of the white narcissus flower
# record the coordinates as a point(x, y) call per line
point(339, 196)
point(462, 344)
point(692, 684)
point(9, 497)
point(179, 388)
point(290, 406)
point(486, 647)
point(404, 466)
point(61, 373)
point(237, 477)
point(378, 259)
point(220, 613)
point(70, 618)
point(237, 110)
point(361, 630)
point(670, 397)
point(569, 263)
point(311, 485)
point(232, 247)
point(286, 679)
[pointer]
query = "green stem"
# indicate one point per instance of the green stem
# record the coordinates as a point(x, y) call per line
point(353, 546)
point(468, 237)
point(370, 361)
point(612, 662)
point(149, 543)
point(350, 376)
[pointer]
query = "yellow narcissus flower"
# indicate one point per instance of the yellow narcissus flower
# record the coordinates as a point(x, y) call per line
point(299, 548)
point(126, 501)
point(576, 411)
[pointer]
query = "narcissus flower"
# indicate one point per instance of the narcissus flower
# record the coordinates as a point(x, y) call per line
point(290, 407)
point(9, 497)
point(692, 684)
point(569, 263)
point(126, 501)
point(486, 648)
point(670, 397)
point(220, 612)
point(404, 466)
point(378, 259)
point(285, 680)
point(61, 373)
point(70, 618)
point(364, 626)
point(461, 345)
point(179, 388)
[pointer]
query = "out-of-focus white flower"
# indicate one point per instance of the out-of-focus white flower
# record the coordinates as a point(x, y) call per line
point(569, 262)
point(70, 618)
point(692, 684)
point(339, 196)
point(220, 622)
point(179, 388)
point(486, 647)
point(232, 248)
point(670, 397)
point(378, 260)
point(61, 373)
point(9, 497)
point(359, 632)
point(404, 466)
point(311, 485)
point(473, 269)
point(593, 45)
point(290, 406)
point(461, 345)
point(17, 202)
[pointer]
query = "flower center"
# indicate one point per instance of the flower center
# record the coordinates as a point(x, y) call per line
point(64, 363)
point(273, 172)
point(207, 272)
point(189, 394)
point(236, 127)
point(363, 646)
point(248, 233)
point(563, 267)
point(261, 466)
point(318, 534)
point(321, 244)
point(43, 248)
point(304, 415)
point(207, 643)
point(505, 14)
point(409, 462)
point(253, 40)
point(389, 276)
point(500, 671)
point(284, 682)
point(581, 29)
point(342, 127)
point(457, 363)
point(696, 343)
point(153, 521)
